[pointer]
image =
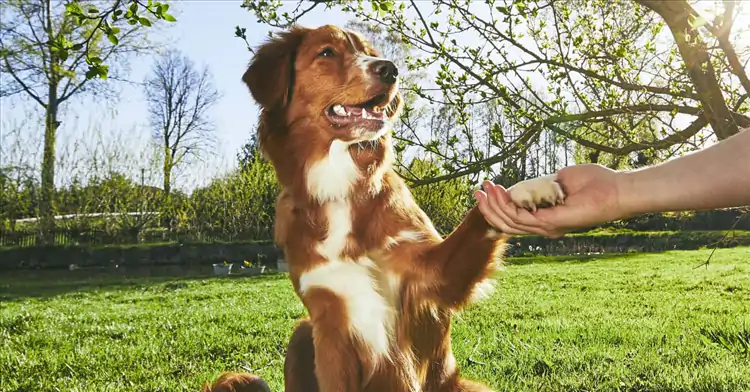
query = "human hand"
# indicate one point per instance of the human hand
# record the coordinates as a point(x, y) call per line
point(592, 197)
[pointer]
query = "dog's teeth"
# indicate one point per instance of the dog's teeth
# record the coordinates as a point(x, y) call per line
point(340, 110)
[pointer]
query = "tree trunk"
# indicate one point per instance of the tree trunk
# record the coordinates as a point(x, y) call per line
point(166, 220)
point(47, 202)
point(167, 174)
point(677, 15)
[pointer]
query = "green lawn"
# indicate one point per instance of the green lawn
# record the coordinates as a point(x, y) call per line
point(630, 323)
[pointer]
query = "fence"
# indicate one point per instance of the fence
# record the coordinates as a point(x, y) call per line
point(68, 237)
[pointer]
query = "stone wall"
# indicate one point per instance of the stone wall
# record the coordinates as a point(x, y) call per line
point(209, 253)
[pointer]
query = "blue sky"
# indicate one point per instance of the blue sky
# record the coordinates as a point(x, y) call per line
point(204, 31)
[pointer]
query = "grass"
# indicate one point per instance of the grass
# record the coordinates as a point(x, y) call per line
point(643, 322)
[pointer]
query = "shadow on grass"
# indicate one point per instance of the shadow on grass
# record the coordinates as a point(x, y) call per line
point(44, 284)
point(568, 258)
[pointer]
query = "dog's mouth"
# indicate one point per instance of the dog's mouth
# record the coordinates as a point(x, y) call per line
point(375, 111)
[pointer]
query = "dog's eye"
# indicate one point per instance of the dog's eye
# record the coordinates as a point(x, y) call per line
point(327, 52)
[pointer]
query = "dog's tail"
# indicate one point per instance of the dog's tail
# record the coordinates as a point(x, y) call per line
point(236, 382)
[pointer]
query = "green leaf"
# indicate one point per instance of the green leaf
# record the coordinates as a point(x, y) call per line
point(144, 22)
point(73, 8)
point(169, 18)
point(91, 73)
point(113, 39)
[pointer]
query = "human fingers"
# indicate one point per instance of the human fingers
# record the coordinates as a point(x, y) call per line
point(499, 218)
point(500, 201)
point(492, 217)
point(550, 222)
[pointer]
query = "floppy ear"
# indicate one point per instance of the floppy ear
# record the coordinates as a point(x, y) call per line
point(270, 76)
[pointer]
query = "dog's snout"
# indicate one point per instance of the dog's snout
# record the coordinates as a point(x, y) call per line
point(385, 70)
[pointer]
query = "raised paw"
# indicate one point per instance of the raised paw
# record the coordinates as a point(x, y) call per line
point(537, 192)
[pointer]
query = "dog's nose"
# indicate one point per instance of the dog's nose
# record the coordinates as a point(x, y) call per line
point(385, 70)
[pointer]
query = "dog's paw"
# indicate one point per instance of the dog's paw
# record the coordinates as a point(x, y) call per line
point(538, 192)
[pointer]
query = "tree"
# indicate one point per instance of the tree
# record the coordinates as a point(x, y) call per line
point(249, 152)
point(17, 190)
point(604, 74)
point(445, 202)
point(685, 23)
point(180, 97)
point(240, 204)
point(36, 63)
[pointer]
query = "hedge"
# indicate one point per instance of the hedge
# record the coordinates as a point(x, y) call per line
point(208, 253)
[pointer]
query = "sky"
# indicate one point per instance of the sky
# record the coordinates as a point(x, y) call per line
point(204, 31)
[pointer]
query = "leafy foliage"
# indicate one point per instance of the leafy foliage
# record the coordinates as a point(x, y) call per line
point(51, 55)
point(445, 202)
point(106, 22)
point(603, 74)
point(239, 205)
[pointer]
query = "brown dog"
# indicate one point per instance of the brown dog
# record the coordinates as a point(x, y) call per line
point(379, 282)
point(236, 382)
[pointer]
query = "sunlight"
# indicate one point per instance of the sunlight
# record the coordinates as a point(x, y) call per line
point(710, 9)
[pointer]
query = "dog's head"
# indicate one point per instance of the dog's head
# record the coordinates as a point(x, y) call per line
point(327, 80)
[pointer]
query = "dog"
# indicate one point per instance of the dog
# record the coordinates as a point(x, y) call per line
point(379, 283)
point(236, 382)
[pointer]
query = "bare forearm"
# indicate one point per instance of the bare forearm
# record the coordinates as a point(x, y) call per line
point(715, 177)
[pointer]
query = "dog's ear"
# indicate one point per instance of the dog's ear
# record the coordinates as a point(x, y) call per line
point(270, 76)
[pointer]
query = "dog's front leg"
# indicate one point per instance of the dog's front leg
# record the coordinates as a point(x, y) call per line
point(337, 368)
point(463, 260)
point(352, 324)
point(470, 254)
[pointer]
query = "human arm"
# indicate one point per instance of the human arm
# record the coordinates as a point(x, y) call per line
point(715, 177)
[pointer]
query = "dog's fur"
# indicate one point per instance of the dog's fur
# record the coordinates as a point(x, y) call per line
point(236, 382)
point(379, 282)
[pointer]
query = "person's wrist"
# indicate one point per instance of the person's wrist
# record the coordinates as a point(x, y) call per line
point(626, 195)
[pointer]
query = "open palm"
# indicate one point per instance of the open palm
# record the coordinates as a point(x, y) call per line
point(592, 197)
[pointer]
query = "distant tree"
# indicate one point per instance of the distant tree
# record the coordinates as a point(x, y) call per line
point(445, 202)
point(180, 97)
point(239, 205)
point(51, 56)
point(249, 152)
point(18, 190)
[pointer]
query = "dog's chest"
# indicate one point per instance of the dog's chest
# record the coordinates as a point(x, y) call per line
point(370, 294)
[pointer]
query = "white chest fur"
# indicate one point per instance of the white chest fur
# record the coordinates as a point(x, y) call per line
point(371, 312)
point(332, 177)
